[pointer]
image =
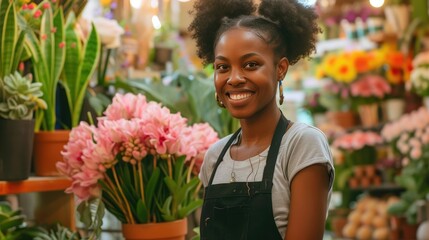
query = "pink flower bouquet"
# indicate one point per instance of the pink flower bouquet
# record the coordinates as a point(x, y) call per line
point(141, 160)
point(369, 89)
point(359, 147)
point(409, 135)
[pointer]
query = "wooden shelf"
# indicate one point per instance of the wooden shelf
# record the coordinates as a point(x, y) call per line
point(34, 184)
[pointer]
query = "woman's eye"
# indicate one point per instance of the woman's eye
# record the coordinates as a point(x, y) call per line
point(251, 65)
point(221, 67)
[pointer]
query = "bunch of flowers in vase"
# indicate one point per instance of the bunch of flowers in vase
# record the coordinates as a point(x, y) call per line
point(409, 138)
point(409, 135)
point(360, 152)
point(419, 78)
point(367, 92)
point(140, 162)
point(396, 70)
point(340, 70)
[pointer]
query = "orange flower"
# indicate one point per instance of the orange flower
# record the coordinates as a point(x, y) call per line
point(394, 75)
point(395, 59)
point(362, 62)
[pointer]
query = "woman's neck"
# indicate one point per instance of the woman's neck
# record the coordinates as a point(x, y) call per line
point(260, 130)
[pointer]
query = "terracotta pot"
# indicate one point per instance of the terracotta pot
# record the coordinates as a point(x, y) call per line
point(368, 114)
point(47, 151)
point(354, 182)
point(175, 230)
point(409, 231)
point(370, 170)
point(359, 171)
point(346, 119)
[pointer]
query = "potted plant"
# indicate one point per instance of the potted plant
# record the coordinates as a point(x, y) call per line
point(360, 152)
point(83, 55)
point(12, 224)
point(367, 92)
point(141, 163)
point(19, 98)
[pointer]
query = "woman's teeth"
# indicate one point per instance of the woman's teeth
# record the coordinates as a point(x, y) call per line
point(239, 96)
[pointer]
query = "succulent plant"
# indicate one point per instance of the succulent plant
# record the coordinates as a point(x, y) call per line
point(19, 97)
point(12, 224)
point(58, 232)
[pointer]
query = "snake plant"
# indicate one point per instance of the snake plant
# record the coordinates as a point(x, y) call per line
point(80, 63)
point(47, 47)
point(20, 97)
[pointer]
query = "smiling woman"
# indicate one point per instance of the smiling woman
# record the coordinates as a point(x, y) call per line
point(272, 179)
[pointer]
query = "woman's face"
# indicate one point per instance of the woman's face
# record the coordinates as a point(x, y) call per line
point(246, 73)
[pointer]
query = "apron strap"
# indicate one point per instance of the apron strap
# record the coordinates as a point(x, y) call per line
point(220, 158)
point(273, 152)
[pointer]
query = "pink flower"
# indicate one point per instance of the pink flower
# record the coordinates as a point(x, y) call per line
point(126, 106)
point(357, 140)
point(131, 129)
point(197, 139)
point(370, 86)
point(37, 13)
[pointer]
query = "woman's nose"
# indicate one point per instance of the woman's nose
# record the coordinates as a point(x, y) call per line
point(236, 78)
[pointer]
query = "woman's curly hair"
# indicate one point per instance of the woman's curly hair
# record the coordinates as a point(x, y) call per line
point(287, 25)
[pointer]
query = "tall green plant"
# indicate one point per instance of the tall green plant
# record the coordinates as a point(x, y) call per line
point(48, 55)
point(80, 64)
point(11, 39)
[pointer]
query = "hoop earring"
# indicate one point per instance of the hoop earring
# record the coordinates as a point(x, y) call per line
point(219, 103)
point(281, 92)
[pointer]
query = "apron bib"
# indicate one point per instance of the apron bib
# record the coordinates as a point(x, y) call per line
point(240, 210)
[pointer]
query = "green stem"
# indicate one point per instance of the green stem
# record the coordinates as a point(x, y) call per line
point(100, 80)
point(141, 181)
point(118, 184)
point(106, 63)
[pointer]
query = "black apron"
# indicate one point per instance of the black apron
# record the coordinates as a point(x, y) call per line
point(240, 210)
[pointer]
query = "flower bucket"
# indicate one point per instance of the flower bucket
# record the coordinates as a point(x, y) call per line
point(394, 109)
point(426, 102)
point(47, 151)
point(175, 230)
point(368, 114)
point(344, 119)
point(16, 147)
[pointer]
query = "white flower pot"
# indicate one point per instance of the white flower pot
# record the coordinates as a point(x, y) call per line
point(394, 109)
point(426, 102)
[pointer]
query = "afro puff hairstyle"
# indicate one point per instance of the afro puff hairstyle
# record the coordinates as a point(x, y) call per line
point(288, 26)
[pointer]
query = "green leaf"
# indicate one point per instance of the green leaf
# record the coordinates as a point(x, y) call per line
point(151, 186)
point(185, 211)
point(9, 38)
point(58, 52)
point(91, 214)
point(20, 49)
point(172, 186)
point(142, 213)
point(11, 222)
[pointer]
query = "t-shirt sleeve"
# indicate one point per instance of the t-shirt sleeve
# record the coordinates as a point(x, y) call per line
point(307, 147)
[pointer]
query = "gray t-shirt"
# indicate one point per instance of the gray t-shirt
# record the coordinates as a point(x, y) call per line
point(302, 145)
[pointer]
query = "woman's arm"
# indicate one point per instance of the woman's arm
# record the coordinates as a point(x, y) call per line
point(308, 204)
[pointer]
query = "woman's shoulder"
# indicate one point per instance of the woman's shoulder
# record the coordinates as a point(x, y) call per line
point(300, 130)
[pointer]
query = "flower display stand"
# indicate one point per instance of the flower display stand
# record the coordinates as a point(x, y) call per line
point(175, 230)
